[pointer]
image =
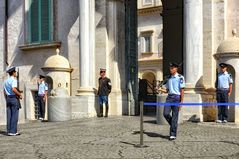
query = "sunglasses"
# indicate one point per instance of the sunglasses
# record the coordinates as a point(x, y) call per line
point(102, 71)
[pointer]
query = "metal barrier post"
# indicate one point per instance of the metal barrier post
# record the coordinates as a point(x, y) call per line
point(141, 145)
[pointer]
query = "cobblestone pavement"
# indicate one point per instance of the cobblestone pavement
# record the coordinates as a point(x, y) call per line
point(113, 138)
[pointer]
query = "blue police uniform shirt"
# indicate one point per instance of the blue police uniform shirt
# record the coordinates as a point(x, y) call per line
point(42, 88)
point(224, 80)
point(175, 84)
point(9, 84)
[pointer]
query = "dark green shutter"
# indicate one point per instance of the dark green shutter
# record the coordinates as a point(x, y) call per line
point(45, 20)
point(34, 21)
point(40, 21)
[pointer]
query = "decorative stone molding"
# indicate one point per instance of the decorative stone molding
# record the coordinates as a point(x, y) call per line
point(26, 47)
point(146, 33)
point(150, 11)
point(230, 45)
point(217, 56)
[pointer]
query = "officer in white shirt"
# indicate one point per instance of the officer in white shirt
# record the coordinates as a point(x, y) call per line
point(12, 95)
point(42, 96)
point(224, 89)
point(175, 88)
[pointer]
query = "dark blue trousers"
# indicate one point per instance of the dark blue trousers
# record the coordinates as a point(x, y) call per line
point(172, 119)
point(12, 114)
point(222, 97)
point(41, 106)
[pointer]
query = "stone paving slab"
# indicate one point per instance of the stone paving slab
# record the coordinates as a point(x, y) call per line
point(114, 138)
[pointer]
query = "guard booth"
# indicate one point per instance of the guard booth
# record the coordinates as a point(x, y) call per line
point(58, 71)
point(228, 52)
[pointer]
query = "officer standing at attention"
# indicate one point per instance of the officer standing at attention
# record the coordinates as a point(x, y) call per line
point(12, 96)
point(224, 89)
point(103, 92)
point(42, 96)
point(175, 88)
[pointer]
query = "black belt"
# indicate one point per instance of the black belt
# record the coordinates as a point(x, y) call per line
point(174, 95)
point(12, 96)
point(223, 89)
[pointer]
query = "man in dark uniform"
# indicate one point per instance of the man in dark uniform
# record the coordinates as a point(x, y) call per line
point(224, 89)
point(12, 95)
point(175, 88)
point(42, 96)
point(103, 92)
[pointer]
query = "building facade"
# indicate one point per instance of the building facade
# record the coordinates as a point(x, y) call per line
point(89, 35)
point(150, 41)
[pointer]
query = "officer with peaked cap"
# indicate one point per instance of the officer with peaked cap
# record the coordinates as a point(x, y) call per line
point(42, 96)
point(103, 92)
point(224, 89)
point(175, 88)
point(12, 95)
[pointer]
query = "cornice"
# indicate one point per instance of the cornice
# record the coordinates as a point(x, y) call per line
point(150, 11)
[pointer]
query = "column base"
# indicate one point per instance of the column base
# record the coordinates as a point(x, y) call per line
point(192, 113)
point(86, 103)
point(84, 106)
point(236, 114)
point(86, 91)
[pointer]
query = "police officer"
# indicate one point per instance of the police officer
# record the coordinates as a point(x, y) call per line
point(103, 92)
point(175, 88)
point(224, 89)
point(42, 96)
point(12, 95)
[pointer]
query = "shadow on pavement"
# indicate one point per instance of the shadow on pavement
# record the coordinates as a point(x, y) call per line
point(152, 134)
point(150, 121)
point(3, 133)
point(127, 143)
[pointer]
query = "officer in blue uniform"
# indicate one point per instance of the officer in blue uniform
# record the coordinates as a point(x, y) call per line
point(42, 96)
point(12, 95)
point(224, 89)
point(175, 88)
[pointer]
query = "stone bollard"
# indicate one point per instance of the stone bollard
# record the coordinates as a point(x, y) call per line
point(161, 98)
point(59, 105)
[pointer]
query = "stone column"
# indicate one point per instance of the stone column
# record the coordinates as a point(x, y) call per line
point(87, 46)
point(84, 104)
point(193, 42)
point(2, 36)
point(2, 52)
point(193, 56)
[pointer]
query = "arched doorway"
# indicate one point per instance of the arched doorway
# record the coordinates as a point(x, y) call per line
point(151, 79)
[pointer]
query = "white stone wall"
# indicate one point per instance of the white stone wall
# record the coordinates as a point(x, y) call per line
point(67, 25)
point(152, 23)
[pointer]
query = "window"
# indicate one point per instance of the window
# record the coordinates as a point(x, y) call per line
point(40, 21)
point(146, 41)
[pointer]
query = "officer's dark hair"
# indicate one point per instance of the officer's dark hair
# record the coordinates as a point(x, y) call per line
point(11, 73)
